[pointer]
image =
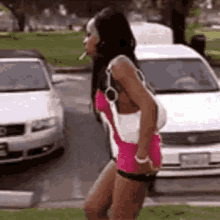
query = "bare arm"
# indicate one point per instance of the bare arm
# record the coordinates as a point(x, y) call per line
point(125, 74)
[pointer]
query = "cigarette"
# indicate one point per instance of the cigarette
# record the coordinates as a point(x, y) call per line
point(82, 56)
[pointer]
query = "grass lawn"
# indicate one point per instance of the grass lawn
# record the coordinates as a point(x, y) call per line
point(175, 212)
point(62, 48)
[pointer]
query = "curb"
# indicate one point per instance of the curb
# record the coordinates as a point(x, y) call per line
point(17, 199)
point(59, 78)
point(147, 203)
point(76, 69)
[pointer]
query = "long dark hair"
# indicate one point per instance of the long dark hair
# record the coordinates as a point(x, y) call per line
point(116, 38)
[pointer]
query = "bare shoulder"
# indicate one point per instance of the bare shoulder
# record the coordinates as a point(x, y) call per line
point(121, 59)
point(122, 66)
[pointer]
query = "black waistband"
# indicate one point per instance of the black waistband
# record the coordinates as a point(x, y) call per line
point(136, 177)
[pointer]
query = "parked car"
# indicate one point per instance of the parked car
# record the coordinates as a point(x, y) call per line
point(189, 89)
point(32, 114)
point(151, 33)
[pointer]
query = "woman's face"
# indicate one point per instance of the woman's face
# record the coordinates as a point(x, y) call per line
point(91, 38)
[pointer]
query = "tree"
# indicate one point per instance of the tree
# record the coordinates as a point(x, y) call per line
point(21, 9)
point(179, 13)
point(171, 10)
point(173, 13)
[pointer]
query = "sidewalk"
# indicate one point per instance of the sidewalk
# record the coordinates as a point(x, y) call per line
point(74, 69)
point(27, 202)
point(149, 201)
point(157, 199)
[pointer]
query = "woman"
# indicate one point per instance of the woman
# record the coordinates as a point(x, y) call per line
point(129, 108)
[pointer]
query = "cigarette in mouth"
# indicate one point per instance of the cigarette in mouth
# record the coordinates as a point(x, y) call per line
point(82, 56)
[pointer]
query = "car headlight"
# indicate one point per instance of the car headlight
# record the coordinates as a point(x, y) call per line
point(44, 124)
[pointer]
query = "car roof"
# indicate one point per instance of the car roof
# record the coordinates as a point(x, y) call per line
point(151, 33)
point(166, 51)
point(21, 53)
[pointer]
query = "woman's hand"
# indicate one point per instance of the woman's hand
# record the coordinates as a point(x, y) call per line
point(148, 167)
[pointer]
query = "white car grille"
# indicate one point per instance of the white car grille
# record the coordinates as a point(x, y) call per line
point(191, 138)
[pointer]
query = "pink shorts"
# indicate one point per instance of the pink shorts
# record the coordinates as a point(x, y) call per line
point(127, 151)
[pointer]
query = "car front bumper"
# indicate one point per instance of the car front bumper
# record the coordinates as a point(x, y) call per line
point(172, 164)
point(31, 145)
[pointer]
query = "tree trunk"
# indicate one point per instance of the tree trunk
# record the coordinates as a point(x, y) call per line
point(20, 17)
point(178, 26)
point(21, 22)
point(166, 13)
point(154, 3)
point(180, 10)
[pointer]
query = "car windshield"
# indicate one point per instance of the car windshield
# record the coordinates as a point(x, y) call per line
point(22, 76)
point(178, 75)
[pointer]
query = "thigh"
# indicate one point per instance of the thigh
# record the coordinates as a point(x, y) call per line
point(128, 197)
point(99, 197)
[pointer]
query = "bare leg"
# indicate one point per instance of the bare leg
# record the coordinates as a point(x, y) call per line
point(128, 197)
point(99, 198)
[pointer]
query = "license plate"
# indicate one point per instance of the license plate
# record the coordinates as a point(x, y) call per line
point(3, 151)
point(195, 160)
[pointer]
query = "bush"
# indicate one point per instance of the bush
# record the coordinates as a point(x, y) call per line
point(195, 12)
point(190, 30)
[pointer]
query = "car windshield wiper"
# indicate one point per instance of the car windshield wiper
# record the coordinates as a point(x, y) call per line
point(167, 91)
point(171, 91)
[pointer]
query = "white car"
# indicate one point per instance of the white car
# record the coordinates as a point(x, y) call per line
point(31, 112)
point(151, 33)
point(189, 90)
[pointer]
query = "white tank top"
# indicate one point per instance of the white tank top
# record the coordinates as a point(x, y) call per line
point(128, 125)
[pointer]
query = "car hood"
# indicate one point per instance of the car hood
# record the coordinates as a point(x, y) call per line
point(191, 112)
point(23, 107)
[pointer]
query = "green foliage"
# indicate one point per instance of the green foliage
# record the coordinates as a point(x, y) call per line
point(195, 12)
point(194, 26)
point(191, 28)
point(3, 8)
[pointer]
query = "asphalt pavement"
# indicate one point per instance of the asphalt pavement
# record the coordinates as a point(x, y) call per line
point(27, 199)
